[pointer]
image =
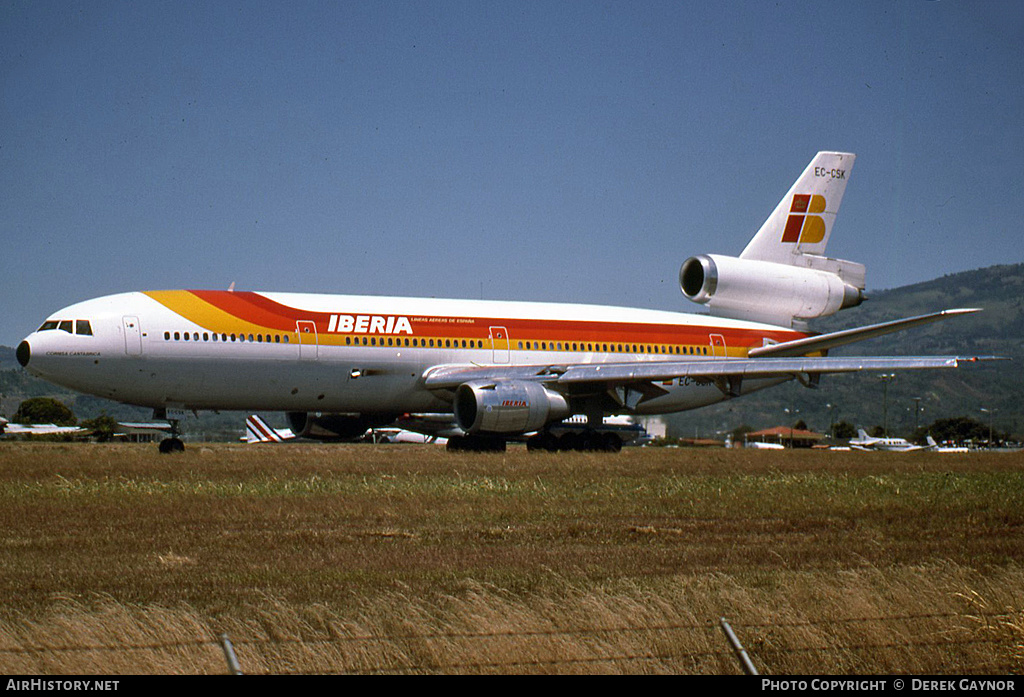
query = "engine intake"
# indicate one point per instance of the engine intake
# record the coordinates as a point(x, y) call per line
point(507, 407)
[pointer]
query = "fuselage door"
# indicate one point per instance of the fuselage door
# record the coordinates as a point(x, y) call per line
point(132, 336)
point(499, 344)
point(718, 345)
point(308, 347)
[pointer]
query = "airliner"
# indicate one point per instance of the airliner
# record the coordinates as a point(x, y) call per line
point(492, 371)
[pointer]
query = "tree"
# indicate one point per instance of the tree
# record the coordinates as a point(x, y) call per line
point(44, 410)
point(960, 429)
point(844, 429)
point(103, 427)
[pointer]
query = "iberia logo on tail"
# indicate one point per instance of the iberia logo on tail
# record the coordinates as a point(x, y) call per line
point(801, 226)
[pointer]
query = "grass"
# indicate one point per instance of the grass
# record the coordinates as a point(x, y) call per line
point(405, 558)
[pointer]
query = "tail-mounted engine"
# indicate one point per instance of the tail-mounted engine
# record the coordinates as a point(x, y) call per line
point(484, 407)
point(770, 292)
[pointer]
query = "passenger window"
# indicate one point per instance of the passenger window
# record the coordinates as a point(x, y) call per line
point(167, 336)
point(177, 336)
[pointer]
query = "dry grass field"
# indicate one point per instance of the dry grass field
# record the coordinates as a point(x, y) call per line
point(342, 559)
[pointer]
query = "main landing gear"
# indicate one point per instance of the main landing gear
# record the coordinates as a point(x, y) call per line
point(171, 444)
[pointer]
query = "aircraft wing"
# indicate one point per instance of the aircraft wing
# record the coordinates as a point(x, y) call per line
point(785, 360)
point(143, 427)
point(451, 376)
point(7, 428)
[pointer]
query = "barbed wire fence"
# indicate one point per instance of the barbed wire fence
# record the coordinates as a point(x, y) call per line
point(361, 654)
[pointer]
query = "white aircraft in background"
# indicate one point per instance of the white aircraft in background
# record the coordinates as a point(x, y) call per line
point(935, 447)
point(9, 429)
point(865, 442)
point(497, 371)
point(257, 430)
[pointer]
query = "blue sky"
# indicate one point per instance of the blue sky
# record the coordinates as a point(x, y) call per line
point(564, 151)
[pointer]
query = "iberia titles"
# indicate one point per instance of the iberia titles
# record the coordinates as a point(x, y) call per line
point(369, 324)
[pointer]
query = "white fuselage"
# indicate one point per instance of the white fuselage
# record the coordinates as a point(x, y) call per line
point(354, 354)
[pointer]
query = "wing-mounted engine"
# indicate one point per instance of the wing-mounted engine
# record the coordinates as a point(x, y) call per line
point(334, 426)
point(765, 291)
point(507, 407)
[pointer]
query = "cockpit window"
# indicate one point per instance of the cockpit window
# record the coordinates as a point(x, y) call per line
point(83, 327)
point(48, 325)
point(66, 325)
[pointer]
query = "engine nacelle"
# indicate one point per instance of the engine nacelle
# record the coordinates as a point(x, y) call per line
point(507, 407)
point(765, 291)
point(333, 426)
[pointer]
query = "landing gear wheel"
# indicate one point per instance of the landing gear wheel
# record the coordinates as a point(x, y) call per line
point(171, 445)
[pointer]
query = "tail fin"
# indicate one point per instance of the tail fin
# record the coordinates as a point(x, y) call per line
point(259, 431)
point(802, 222)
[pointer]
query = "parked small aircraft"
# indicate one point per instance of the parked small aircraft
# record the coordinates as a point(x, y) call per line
point(865, 442)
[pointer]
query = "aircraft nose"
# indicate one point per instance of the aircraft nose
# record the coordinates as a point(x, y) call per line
point(24, 353)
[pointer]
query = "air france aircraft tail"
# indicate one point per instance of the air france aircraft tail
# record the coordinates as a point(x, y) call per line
point(782, 276)
point(257, 430)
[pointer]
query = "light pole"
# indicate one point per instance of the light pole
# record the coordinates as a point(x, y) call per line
point(917, 409)
point(792, 414)
point(990, 413)
point(886, 378)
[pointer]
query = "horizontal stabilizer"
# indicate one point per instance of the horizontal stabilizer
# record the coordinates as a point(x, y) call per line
point(823, 342)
